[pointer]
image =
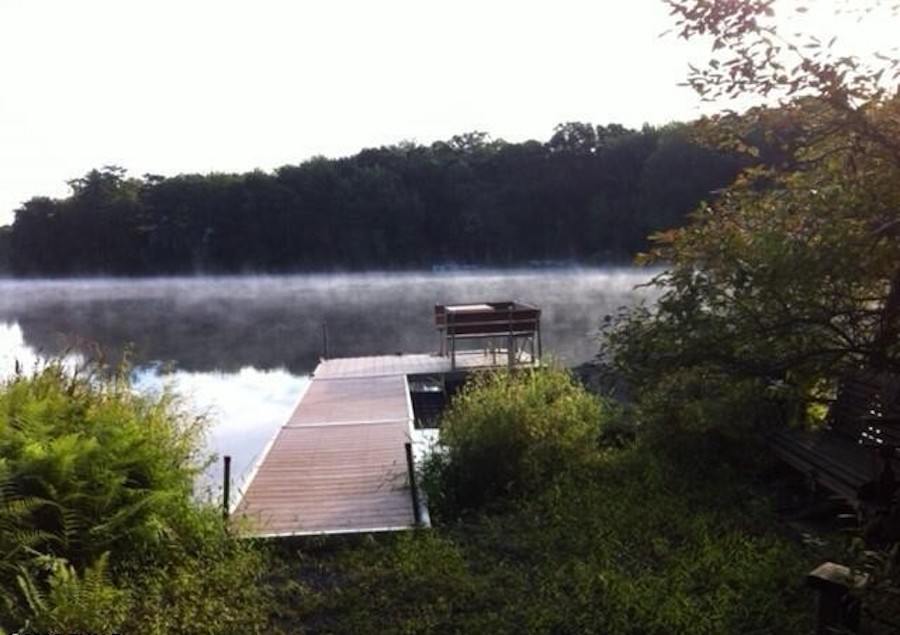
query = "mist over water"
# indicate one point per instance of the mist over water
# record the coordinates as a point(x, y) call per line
point(228, 323)
point(240, 347)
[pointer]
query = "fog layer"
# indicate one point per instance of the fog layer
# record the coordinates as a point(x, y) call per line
point(228, 323)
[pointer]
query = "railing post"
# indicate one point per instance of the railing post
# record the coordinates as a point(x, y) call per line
point(324, 340)
point(226, 488)
point(414, 490)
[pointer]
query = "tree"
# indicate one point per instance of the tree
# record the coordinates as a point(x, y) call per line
point(791, 277)
point(579, 196)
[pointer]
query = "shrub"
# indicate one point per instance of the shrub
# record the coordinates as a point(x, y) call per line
point(104, 469)
point(215, 585)
point(506, 435)
point(99, 528)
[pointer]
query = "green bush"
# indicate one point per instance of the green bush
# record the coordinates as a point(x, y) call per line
point(103, 468)
point(507, 435)
point(99, 527)
point(217, 587)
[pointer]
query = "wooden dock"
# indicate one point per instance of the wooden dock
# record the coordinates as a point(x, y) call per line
point(339, 465)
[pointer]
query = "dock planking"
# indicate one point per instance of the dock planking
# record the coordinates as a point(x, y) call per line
point(338, 465)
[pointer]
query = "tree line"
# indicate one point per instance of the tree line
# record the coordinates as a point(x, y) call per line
point(589, 194)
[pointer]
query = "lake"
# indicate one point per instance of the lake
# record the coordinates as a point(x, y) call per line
point(241, 348)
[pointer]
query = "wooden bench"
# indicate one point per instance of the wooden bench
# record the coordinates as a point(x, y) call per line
point(855, 454)
point(509, 321)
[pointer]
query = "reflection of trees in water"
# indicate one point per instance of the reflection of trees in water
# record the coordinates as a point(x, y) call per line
point(270, 322)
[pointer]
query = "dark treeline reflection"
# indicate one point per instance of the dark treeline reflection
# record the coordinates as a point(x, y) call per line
point(591, 194)
point(224, 324)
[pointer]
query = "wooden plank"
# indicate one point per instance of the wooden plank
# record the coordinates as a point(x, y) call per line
point(355, 399)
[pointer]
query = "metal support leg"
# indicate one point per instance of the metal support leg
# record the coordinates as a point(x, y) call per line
point(452, 352)
point(413, 487)
point(226, 488)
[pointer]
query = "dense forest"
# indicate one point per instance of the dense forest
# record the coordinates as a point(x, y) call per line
point(590, 194)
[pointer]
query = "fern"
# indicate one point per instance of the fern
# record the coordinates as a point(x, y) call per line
point(70, 602)
point(97, 514)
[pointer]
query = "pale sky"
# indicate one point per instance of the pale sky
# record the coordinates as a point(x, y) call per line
point(168, 86)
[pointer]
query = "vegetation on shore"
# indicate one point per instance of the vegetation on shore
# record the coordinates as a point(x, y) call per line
point(99, 528)
point(790, 279)
point(101, 532)
point(568, 535)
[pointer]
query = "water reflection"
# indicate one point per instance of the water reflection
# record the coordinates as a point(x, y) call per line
point(245, 409)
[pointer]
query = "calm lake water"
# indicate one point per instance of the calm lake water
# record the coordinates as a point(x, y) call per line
point(240, 348)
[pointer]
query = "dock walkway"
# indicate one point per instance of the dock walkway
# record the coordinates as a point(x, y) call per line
point(339, 463)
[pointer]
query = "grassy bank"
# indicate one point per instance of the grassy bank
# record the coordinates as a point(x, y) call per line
point(608, 540)
point(628, 546)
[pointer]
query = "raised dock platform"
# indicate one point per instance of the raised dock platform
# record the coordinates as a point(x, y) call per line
point(339, 464)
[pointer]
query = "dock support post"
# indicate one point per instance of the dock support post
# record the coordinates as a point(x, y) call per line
point(451, 331)
point(226, 487)
point(324, 340)
point(413, 487)
point(510, 340)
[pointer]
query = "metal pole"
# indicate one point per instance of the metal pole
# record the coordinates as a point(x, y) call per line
point(414, 490)
point(510, 342)
point(226, 487)
point(451, 330)
point(324, 340)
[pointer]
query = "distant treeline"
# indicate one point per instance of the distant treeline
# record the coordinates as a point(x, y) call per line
point(589, 194)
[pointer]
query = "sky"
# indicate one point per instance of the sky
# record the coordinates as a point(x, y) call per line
point(168, 87)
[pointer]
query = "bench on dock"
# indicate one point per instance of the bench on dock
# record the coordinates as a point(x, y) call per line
point(853, 455)
point(514, 322)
